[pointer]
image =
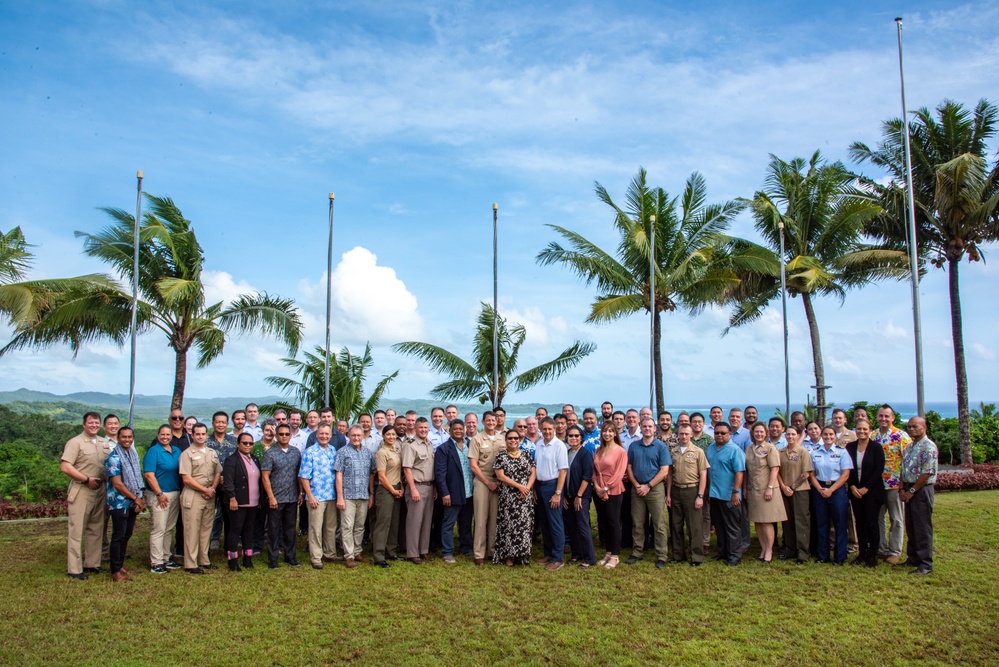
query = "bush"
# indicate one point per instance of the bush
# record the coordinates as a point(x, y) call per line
point(23, 510)
point(981, 478)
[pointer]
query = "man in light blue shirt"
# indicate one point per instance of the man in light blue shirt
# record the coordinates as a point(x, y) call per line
point(728, 465)
point(317, 477)
point(438, 434)
point(552, 461)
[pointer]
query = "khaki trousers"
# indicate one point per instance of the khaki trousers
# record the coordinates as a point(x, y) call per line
point(87, 509)
point(385, 531)
point(163, 522)
point(484, 503)
point(199, 514)
point(352, 529)
point(419, 516)
point(654, 504)
point(322, 531)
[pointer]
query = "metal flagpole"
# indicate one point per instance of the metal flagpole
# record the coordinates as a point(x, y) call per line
point(652, 313)
point(329, 304)
point(135, 295)
point(783, 304)
point(495, 312)
point(917, 327)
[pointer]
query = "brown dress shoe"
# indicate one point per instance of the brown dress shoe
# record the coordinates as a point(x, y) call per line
point(480, 561)
point(350, 563)
point(545, 560)
point(119, 576)
point(427, 557)
point(416, 560)
point(360, 559)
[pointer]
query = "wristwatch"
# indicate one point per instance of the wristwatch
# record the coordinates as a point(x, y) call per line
point(701, 496)
point(558, 492)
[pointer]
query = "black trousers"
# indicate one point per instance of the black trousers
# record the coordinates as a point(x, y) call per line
point(728, 530)
point(577, 528)
point(865, 513)
point(242, 523)
point(122, 523)
point(919, 527)
point(609, 522)
point(626, 541)
point(281, 529)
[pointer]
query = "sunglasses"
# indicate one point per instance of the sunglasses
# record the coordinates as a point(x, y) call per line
point(176, 417)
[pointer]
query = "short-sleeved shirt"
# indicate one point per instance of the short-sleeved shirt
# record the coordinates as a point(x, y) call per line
point(201, 464)
point(223, 449)
point(112, 464)
point(419, 455)
point(550, 458)
point(793, 464)
point(317, 467)
point(437, 437)
point(829, 464)
point(87, 455)
point(704, 442)
point(726, 461)
point(688, 465)
point(893, 443)
point(356, 466)
point(920, 458)
point(591, 440)
point(164, 465)
point(646, 460)
point(483, 449)
point(628, 438)
point(283, 466)
point(846, 437)
point(389, 461)
point(741, 437)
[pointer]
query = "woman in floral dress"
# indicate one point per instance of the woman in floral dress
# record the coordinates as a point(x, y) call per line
point(515, 512)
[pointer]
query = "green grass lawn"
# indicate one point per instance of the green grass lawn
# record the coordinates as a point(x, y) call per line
point(462, 615)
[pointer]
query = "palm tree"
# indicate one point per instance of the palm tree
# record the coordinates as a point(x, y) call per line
point(347, 375)
point(24, 302)
point(695, 261)
point(956, 195)
point(823, 215)
point(474, 379)
point(171, 299)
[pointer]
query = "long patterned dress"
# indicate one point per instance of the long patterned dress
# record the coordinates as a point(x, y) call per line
point(514, 516)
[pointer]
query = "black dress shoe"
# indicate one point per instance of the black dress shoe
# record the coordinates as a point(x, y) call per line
point(694, 564)
point(822, 560)
point(922, 570)
point(732, 563)
point(631, 561)
point(660, 564)
point(800, 561)
point(293, 563)
point(675, 560)
point(79, 575)
point(718, 557)
point(272, 565)
point(381, 563)
point(209, 567)
point(194, 570)
point(94, 570)
point(782, 557)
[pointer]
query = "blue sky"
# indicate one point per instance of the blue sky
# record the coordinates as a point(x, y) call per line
point(421, 115)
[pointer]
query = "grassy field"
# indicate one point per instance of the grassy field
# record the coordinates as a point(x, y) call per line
point(435, 614)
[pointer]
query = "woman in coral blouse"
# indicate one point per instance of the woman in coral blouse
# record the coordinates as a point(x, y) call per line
point(609, 466)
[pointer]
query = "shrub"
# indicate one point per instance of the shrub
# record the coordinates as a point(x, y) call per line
point(981, 478)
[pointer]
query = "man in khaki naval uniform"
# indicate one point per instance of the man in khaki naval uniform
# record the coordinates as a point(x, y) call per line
point(686, 496)
point(83, 462)
point(200, 472)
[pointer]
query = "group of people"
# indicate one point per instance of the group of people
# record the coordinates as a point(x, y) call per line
point(408, 484)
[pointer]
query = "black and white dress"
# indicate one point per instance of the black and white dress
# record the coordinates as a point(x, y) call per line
point(514, 516)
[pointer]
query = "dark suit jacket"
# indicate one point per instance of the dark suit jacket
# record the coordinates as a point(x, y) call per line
point(868, 475)
point(447, 471)
point(235, 480)
point(580, 470)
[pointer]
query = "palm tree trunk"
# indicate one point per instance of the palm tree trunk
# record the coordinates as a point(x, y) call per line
point(657, 359)
point(179, 381)
point(820, 372)
point(960, 369)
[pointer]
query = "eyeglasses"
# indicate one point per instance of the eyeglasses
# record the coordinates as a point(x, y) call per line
point(284, 435)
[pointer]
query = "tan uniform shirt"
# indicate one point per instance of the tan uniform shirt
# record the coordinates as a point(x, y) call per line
point(389, 461)
point(202, 465)
point(419, 455)
point(87, 455)
point(687, 466)
point(846, 437)
point(793, 464)
point(484, 448)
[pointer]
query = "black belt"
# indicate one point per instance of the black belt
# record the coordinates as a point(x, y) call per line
point(826, 484)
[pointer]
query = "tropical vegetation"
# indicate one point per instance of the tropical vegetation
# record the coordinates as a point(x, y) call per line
point(694, 260)
point(171, 296)
point(956, 194)
point(474, 379)
point(346, 383)
point(812, 211)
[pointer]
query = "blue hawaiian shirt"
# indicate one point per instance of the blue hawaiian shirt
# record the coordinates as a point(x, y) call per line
point(355, 465)
point(317, 467)
point(112, 464)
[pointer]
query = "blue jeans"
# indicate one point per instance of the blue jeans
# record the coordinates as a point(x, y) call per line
point(552, 529)
point(462, 515)
point(828, 511)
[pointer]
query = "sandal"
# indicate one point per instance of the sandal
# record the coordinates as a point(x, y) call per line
point(612, 562)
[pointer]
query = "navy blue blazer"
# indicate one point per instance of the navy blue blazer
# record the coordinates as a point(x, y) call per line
point(447, 472)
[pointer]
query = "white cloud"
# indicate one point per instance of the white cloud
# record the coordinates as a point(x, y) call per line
point(220, 286)
point(983, 353)
point(891, 331)
point(370, 303)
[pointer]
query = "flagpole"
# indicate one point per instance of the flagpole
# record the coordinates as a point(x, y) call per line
point(135, 297)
